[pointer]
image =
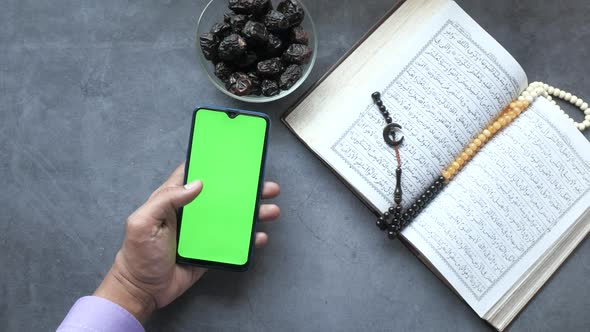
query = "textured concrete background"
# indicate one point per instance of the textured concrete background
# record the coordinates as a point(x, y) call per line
point(95, 100)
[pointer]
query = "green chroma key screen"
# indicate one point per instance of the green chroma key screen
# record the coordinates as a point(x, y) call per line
point(227, 155)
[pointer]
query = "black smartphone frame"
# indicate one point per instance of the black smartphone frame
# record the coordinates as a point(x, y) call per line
point(232, 113)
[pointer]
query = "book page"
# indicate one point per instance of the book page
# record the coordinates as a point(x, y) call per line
point(442, 87)
point(509, 205)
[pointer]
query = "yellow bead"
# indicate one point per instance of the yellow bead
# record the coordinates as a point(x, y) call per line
point(473, 147)
point(525, 104)
point(460, 161)
point(513, 104)
point(487, 133)
point(477, 142)
point(464, 156)
point(502, 121)
point(517, 110)
point(510, 116)
point(452, 170)
point(446, 175)
point(492, 129)
point(456, 165)
point(508, 119)
point(497, 125)
point(469, 151)
point(482, 137)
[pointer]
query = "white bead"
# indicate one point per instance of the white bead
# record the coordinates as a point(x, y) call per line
point(526, 93)
point(567, 96)
point(549, 97)
point(581, 126)
point(521, 98)
point(539, 91)
point(587, 117)
point(553, 102)
point(579, 102)
point(584, 106)
point(529, 99)
point(529, 88)
point(587, 112)
point(545, 86)
point(561, 94)
point(550, 90)
point(586, 123)
point(556, 92)
point(573, 99)
point(572, 120)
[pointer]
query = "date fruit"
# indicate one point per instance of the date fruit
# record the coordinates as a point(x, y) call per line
point(275, 21)
point(209, 44)
point(255, 33)
point(293, 11)
point(232, 47)
point(223, 70)
point(255, 7)
point(239, 84)
point(299, 36)
point(221, 30)
point(270, 68)
point(270, 88)
point(298, 53)
point(290, 76)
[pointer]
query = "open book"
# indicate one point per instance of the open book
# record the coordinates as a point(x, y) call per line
point(509, 219)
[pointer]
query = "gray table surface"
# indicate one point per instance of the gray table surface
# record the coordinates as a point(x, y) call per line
point(95, 100)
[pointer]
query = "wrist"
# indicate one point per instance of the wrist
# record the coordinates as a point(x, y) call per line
point(120, 290)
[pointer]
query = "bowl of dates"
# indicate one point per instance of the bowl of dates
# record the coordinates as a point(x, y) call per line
point(256, 50)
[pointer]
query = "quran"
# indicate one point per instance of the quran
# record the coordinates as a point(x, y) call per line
point(508, 220)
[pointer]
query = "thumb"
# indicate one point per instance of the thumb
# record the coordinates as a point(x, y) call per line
point(169, 199)
point(178, 196)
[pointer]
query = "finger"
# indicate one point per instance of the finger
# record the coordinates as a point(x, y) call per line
point(270, 190)
point(167, 200)
point(176, 178)
point(269, 212)
point(261, 240)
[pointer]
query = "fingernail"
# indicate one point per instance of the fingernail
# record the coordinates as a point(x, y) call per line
point(192, 185)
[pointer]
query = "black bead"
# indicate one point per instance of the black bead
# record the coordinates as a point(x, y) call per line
point(388, 221)
point(388, 119)
point(376, 95)
point(382, 108)
point(392, 210)
point(385, 114)
point(379, 102)
point(434, 189)
point(428, 193)
point(415, 206)
point(411, 211)
point(441, 179)
point(420, 202)
point(386, 215)
point(381, 224)
point(398, 209)
point(392, 234)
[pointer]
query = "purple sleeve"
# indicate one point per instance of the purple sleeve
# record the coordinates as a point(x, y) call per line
point(95, 314)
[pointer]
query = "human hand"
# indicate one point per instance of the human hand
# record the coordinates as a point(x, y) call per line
point(145, 276)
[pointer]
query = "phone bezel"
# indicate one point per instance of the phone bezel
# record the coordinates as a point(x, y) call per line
point(214, 264)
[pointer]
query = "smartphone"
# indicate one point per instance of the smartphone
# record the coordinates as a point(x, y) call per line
point(227, 151)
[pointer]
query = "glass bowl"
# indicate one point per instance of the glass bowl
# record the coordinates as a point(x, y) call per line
point(213, 13)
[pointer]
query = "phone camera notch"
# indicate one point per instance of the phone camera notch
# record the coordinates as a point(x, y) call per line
point(232, 115)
